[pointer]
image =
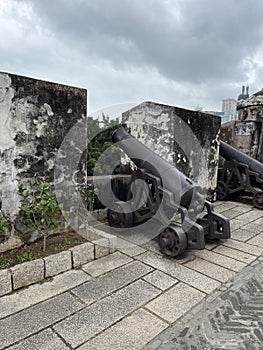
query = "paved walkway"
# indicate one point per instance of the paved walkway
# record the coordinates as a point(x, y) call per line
point(138, 299)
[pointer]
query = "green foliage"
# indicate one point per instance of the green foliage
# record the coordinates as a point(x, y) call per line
point(39, 207)
point(26, 256)
point(100, 139)
point(4, 223)
point(4, 263)
point(88, 193)
point(17, 258)
point(67, 243)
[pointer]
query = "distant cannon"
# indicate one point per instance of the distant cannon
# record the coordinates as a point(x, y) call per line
point(157, 189)
point(240, 173)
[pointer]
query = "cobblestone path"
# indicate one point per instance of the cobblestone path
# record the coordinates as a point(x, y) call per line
point(231, 318)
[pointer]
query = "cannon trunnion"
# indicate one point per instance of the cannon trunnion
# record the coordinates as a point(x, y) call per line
point(240, 173)
point(158, 190)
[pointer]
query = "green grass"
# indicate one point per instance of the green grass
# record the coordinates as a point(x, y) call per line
point(18, 258)
point(67, 243)
point(4, 263)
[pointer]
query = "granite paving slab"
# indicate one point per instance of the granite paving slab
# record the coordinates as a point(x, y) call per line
point(110, 282)
point(95, 318)
point(37, 293)
point(144, 326)
point(36, 318)
point(44, 340)
point(180, 272)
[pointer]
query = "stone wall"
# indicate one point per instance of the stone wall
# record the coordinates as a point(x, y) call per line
point(35, 116)
point(246, 133)
point(187, 139)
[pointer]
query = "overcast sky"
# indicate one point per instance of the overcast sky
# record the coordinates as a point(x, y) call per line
point(186, 53)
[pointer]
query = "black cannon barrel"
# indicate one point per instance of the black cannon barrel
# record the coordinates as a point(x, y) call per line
point(230, 153)
point(172, 179)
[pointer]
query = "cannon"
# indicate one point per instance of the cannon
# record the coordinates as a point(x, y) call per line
point(158, 189)
point(240, 174)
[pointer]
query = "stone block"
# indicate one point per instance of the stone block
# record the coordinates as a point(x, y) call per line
point(144, 325)
point(180, 272)
point(57, 263)
point(257, 240)
point(175, 302)
point(102, 247)
point(235, 224)
point(90, 321)
point(255, 215)
point(32, 320)
point(254, 226)
point(244, 247)
point(36, 293)
point(12, 243)
point(27, 273)
point(110, 282)
point(221, 260)
point(235, 254)
point(106, 263)
point(160, 280)
point(5, 282)
point(242, 235)
point(44, 340)
point(209, 269)
point(132, 250)
point(82, 254)
point(112, 242)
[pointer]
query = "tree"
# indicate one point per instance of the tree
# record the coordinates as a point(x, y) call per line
point(99, 140)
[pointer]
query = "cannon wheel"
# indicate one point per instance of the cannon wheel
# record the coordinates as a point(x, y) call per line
point(258, 200)
point(172, 240)
point(120, 215)
point(222, 190)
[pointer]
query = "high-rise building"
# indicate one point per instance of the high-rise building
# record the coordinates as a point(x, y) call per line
point(229, 107)
point(244, 95)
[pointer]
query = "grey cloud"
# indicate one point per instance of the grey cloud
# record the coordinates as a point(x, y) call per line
point(187, 41)
point(181, 52)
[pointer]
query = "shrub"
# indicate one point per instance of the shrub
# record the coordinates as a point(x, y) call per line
point(39, 207)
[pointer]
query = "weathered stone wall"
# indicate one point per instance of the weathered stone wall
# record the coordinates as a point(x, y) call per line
point(243, 135)
point(35, 116)
point(227, 132)
point(246, 133)
point(187, 139)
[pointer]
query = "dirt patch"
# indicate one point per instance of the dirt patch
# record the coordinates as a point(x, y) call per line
point(55, 244)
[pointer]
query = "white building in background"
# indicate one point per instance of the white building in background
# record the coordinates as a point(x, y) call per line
point(229, 108)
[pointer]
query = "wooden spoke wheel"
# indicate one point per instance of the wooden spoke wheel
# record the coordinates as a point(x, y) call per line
point(222, 190)
point(120, 215)
point(172, 241)
point(258, 200)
